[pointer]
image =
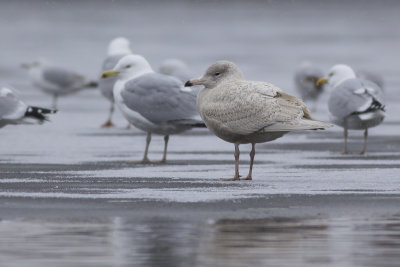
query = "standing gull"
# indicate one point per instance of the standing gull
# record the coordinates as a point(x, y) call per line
point(117, 49)
point(56, 81)
point(354, 103)
point(247, 112)
point(305, 78)
point(153, 102)
point(14, 111)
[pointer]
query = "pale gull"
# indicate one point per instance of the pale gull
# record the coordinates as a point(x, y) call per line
point(56, 81)
point(354, 103)
point(14, 111)
point(117, 49)
point(248, 112)
point(153, 102)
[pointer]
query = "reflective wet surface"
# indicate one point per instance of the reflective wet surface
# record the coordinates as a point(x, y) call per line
point(169, 242)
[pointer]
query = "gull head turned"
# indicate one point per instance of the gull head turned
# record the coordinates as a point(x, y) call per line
point(220, 71)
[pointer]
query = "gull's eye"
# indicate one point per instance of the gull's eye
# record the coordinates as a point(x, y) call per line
point(217, 74)
point(330, 74)
point(127, 66)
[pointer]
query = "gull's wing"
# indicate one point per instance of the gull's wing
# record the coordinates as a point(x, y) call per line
point(355, 96)
point(244, 107)
point(160, 99)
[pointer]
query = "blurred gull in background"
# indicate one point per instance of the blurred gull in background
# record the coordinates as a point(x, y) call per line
point(118, 48)
point(246, 112)
point(371, 76)
point(153, 102)
point(178, 69)
point(305, 78)
point(354, 103)
point(55, 80)
point(14, 111)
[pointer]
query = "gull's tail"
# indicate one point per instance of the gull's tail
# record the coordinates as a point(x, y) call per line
point(298, 125)
point(191, 122)
point(38, 113)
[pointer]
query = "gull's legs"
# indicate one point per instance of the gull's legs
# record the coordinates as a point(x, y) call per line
point(345, 141)
point(252, 154)
point(237, 154)
point(345, 137)
point(164, 158)
point(109, 123)
point(54, 104)
point(365, 142)
point(146, 150)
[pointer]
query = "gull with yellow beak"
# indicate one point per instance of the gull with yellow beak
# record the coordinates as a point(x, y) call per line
point(247, 112)
point(153, 102)
point(354, 103)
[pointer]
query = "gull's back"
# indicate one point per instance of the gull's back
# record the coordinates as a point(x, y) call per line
point(359, 100)
point(161, 100)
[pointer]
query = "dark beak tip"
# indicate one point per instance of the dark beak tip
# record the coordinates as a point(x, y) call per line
point(188, 83)
point(103, 76)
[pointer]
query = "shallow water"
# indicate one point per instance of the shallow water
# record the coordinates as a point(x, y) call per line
point(70, 194)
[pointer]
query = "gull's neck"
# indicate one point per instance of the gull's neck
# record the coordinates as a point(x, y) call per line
point(129, 76)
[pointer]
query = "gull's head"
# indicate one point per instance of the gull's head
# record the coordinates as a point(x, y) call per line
point(172, 65)
point(118, 46)
point(129, 67)
point(217, 73)
point(337, 74)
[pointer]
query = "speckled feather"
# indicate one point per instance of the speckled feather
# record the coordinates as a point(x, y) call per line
point(244, 107)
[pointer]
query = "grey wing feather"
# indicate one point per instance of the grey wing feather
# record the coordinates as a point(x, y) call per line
point(352, 96)
point(159, 98)
point(63, 78)
point(106, 85)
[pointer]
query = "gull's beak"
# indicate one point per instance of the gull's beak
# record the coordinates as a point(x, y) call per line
point(109, 73)
point(26, 66)
point(321, 81)
point(193, 82)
